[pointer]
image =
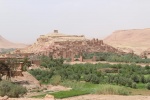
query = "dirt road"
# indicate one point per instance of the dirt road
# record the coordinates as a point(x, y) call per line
point(105, 62)
point(96, 97)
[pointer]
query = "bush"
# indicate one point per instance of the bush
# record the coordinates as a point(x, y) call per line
point(11, 90)
point(24, 68)
point(55, 80)
point(42, 75)
point(148, 86)
point(134, 85)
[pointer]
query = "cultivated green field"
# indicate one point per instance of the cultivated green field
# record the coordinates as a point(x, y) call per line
point(120, 79)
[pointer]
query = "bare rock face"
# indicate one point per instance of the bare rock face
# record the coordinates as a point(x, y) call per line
point(137, 40)
point(66, 46)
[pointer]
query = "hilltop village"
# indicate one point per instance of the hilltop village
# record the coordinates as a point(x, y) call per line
point(66, 46)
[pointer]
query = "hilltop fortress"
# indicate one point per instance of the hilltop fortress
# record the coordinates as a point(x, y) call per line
point(59, 37)
point(67, 46)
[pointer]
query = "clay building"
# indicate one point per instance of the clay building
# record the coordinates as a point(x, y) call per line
point(67, 46)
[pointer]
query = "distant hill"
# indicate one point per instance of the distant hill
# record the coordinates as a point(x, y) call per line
point(136, 39)
point(7, 44)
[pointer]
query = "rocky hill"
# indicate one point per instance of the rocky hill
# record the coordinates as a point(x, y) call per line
point(7, 44)
point(66, 46)
point(137, 40)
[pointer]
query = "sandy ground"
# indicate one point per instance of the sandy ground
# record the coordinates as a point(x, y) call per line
point(108, 97)
point(96, 97)
point(105, 62)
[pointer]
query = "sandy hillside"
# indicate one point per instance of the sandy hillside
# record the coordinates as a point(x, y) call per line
point(135, 39)
point(7, 44)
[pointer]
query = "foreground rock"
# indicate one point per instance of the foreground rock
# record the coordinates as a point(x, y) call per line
point(49, 97)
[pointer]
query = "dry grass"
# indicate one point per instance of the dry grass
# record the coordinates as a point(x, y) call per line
point(144, 92)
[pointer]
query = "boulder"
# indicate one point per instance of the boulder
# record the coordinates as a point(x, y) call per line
point(49, 97)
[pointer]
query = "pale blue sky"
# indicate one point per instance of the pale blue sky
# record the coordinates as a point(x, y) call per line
point(24, 20)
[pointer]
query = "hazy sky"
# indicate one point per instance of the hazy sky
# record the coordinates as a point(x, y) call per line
point(24, 20)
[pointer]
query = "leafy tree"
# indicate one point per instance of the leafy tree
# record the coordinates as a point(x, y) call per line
point(135, 78)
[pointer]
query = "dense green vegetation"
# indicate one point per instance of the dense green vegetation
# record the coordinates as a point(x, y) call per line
point(119, 74)
point(114, 57)
point(90, 78)
point(11, 89)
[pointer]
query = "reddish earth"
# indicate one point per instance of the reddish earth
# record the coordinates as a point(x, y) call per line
point(135, 39)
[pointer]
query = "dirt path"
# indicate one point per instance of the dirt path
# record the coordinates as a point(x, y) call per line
point(105, 62)
point(95, 97)
point(108, 97)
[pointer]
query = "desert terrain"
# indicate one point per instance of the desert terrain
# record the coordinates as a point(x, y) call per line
point(135, 39)
point(4, 43)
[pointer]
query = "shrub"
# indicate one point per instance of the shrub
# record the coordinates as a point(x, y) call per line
point(42, 75)
point(134, 85)
point(55, 80)
point(148, 86)
point(148, 79)
point(24, 68)
point(136, 78)
point(11, 90)
point(143, 80)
